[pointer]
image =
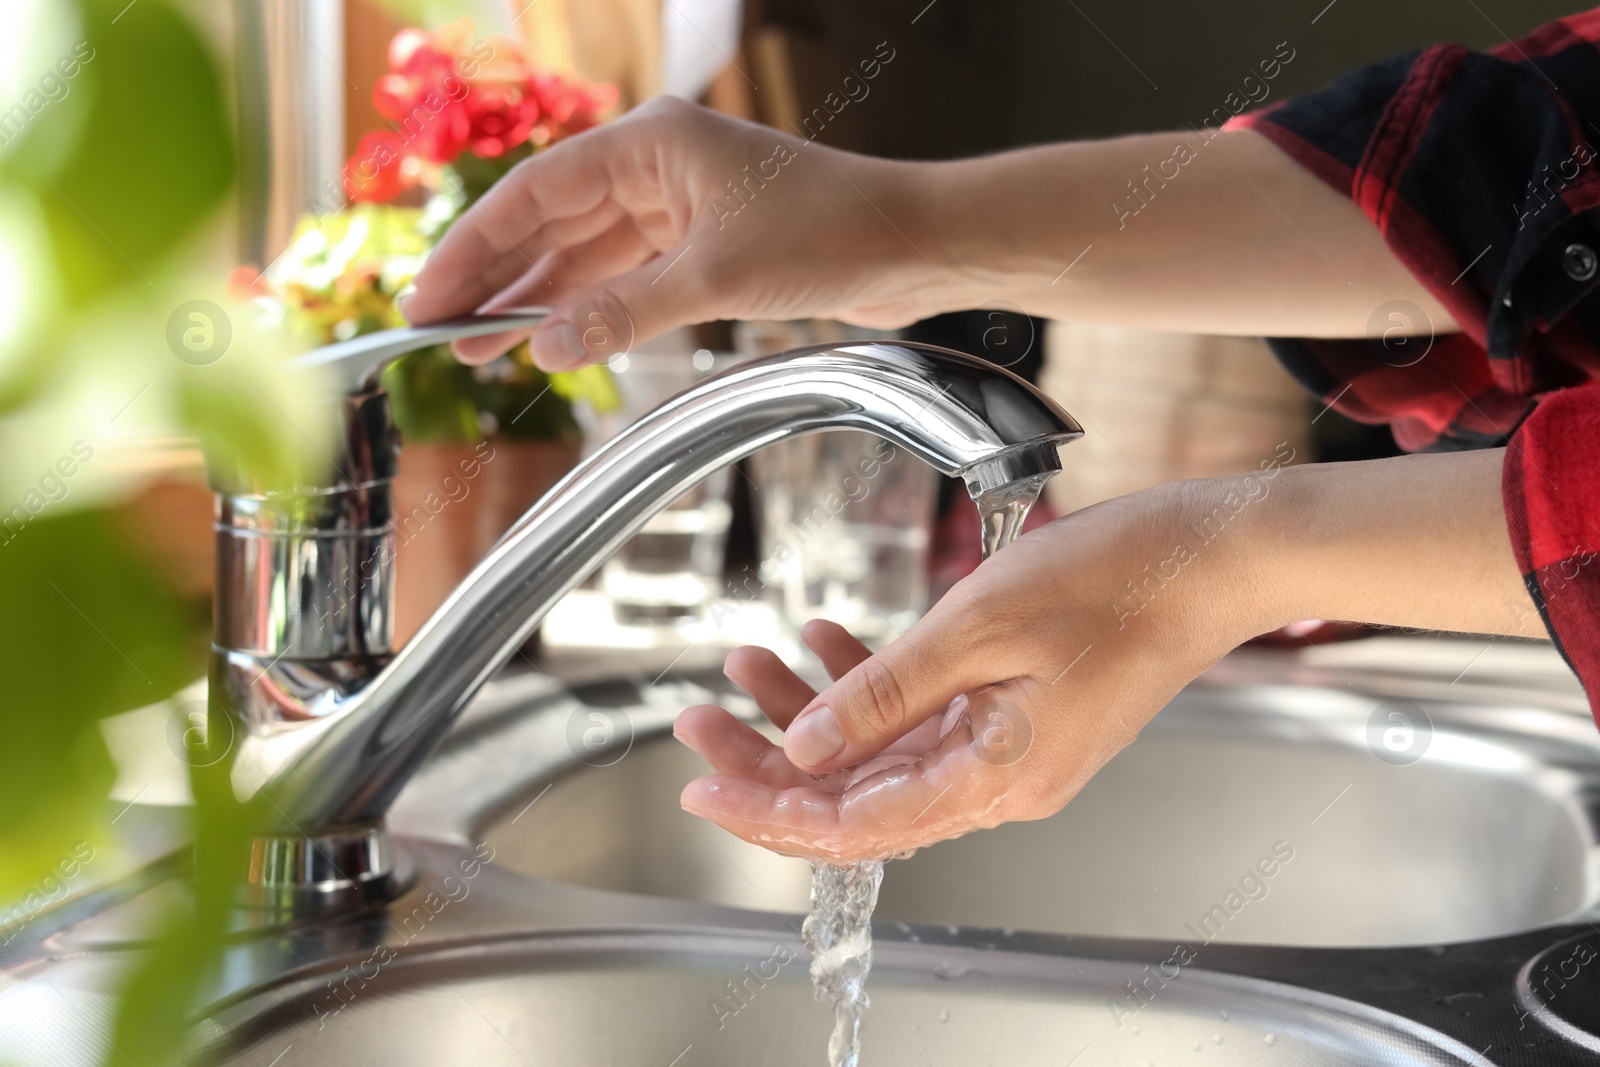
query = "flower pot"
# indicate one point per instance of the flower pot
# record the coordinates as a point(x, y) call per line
point(452, 503)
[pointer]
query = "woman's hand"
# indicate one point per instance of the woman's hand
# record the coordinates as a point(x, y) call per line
point(675, 215)
point(1034, 671)
point(999, 705)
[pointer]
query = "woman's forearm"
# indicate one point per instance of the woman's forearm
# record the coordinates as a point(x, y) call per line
point(1164, 231)
point(1417, 541)
point(674, 215)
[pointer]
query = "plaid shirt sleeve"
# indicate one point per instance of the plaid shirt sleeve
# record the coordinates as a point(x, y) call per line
point(1482, 171)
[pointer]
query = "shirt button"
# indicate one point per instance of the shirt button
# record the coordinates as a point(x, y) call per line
point(1580, 262)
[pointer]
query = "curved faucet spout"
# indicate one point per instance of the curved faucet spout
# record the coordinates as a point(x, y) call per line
point(333, 742)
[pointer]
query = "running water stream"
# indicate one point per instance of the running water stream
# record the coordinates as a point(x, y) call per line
point(838, 932)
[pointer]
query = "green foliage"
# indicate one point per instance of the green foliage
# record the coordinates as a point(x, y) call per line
point(101, 198)
point(591, 384)
point(98, 634)
point(432, 396)
point(104, 190)
point(430, 12)
point(339, 279)
point(474, 175)
point(149, 155)
point(167, 983)
point(257, 428)
point(437, 398)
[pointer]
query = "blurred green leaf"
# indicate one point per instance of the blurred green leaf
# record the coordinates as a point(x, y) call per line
point(431, 393)
point(253, 441)
point(106, 187)
point(96, 634)
point(431, 12)
point(152, 155)
point(166, 984)
point(592, 384)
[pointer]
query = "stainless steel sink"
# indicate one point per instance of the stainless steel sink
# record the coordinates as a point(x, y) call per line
point(689, 999)
point(1249, 811)
point(577, 916)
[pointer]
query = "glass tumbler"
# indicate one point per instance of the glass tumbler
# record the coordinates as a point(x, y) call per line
point(672, 568)
point(845, 521)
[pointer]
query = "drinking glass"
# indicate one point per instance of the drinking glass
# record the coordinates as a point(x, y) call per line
point(845, 521)
point(671, 569)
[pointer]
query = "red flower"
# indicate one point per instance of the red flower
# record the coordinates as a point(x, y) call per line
point(425, 97)
point(438, 113)
point(376, 172)
point(438, 128)
point(570, 108)
point(502, 117)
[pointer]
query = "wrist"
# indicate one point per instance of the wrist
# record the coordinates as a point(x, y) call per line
point(1225, 534)
point(897, 255)
point(962, 225)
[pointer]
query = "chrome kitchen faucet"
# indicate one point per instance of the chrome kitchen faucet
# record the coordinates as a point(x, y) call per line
point(329, 722)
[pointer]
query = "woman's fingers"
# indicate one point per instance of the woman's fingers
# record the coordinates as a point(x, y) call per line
point(811, 242)
point(735, 748)
point(797, 821)
point(886, 696)
point(949, 792)
point(595, 322)
point(507, 230)
point(836, 647)
point(777, 690)
point(620, 248)
point(646, 169)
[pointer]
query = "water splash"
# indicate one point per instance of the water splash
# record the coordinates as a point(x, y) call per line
point(838, 932)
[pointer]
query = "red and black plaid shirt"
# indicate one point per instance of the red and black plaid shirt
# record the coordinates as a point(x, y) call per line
point(1482, 170)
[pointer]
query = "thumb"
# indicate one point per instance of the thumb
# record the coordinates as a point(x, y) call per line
point(606, 319)
point(888, 695)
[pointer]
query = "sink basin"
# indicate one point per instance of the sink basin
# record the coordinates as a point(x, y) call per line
point(642, 997)
point(562, 913)
point(1246, 813)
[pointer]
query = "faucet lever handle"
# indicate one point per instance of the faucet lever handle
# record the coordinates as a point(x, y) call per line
point(357, 362)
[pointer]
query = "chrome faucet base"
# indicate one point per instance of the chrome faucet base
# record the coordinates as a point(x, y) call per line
point(297, 877)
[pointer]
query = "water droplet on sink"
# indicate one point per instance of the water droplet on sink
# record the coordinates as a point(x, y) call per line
point(914, 939)
point(944, 1015)
point(952, 930)
point(1224, 1014)
point(1271, 1039)
point(1136, 1028)
point(946, 969)
point(1197, 1046)
point(1217, 1038)
point(904, 928)
point(1008, 931)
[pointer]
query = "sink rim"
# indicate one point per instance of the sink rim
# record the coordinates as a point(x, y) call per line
point(255, 1014)
point(513, 908)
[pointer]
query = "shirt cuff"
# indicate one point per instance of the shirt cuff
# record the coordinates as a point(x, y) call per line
point(1551, 488)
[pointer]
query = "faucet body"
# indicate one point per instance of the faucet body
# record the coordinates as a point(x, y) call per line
point(329, 722)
